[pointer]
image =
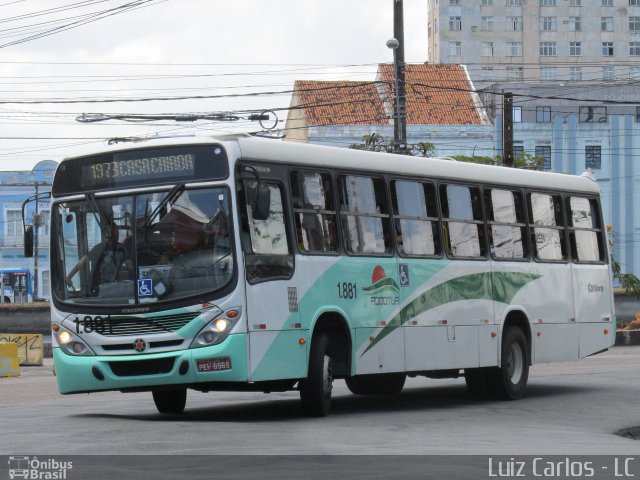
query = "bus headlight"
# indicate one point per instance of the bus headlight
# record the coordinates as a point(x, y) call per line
point(217, 329)
point(64, 337)
point(71, 343)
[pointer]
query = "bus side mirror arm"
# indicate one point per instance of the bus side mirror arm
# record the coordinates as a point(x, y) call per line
point(28, 229)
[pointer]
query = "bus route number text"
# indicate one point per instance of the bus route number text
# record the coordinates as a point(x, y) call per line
point(347, 290)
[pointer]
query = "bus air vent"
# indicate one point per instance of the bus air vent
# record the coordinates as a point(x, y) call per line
point(125, 325)
point(129, 345)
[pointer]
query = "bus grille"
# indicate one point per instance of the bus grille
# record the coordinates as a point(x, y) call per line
point(139, 326)
point(131, 346)
point(142, 367)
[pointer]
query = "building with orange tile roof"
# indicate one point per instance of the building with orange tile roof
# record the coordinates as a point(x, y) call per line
point(441, 104)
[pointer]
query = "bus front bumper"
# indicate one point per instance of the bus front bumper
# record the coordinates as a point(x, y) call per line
point(226, 362)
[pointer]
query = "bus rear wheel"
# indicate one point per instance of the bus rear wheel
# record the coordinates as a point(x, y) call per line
point(170, 401)
point(382, 384)
point(509, 380)
point(315, 390)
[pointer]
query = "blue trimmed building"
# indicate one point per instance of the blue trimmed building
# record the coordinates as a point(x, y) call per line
point(610, 149)
point(15, 188)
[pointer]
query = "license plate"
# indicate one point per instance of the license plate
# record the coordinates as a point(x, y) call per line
point(214, 364)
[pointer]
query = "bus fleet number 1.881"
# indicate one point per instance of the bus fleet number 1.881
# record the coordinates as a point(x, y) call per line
point(347, 290)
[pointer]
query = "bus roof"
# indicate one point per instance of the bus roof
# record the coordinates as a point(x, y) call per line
point(334, 157)
point(317, 156)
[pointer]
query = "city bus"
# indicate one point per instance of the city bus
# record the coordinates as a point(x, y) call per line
point(237, 263)
point(15, 285)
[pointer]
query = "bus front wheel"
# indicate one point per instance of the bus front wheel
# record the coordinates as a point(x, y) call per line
point(170, 401)
point(315, 390)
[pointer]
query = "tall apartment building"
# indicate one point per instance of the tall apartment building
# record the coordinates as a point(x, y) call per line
point(546, 40)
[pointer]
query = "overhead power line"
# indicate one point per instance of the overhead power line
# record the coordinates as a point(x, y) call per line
point(71, 22)
point(49, 11)
point(412, 86)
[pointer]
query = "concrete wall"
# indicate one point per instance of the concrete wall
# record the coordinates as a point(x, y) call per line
point(31, 318)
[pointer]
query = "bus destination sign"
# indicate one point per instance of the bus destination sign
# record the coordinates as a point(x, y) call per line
point(141, 167)
point(119, 170)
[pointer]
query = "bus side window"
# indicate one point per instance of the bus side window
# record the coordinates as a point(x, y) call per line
point(547, 227)
point(269, 256)
point(462, 220)
point(585, 230)
point(416, 218)
point(314, 212)
point(506, 225)
point(364, 215)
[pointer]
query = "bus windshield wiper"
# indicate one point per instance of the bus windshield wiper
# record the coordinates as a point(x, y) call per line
point(103, 223)
point(172, 195)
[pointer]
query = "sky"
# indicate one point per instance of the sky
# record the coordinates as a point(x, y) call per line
point(61, 59)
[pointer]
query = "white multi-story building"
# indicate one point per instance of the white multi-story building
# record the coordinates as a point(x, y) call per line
point(530, 40)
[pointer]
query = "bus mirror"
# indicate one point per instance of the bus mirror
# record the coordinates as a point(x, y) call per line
point(28, 241)
point(263, 203)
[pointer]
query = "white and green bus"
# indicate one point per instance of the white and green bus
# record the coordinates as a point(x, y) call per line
point(246, 264)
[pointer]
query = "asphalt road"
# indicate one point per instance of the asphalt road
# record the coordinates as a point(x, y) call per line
point(570, 408)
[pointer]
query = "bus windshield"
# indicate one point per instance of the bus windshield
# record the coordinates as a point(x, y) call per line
point(144, 247)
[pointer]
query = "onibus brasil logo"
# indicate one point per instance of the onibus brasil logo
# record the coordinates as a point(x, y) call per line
point(383, 290)
point(32, 468)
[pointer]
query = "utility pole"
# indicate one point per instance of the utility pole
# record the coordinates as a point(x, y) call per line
point(400, 104)
point(507, 129)
point(36, 226)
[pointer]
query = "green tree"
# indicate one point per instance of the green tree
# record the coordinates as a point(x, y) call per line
point(525, 161)
point(424, 149)
point(628, 281)
point(378, 143)
point(374, 143)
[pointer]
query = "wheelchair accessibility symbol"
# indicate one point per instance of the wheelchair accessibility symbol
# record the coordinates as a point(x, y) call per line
point(145, 287)
point(403, 272)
